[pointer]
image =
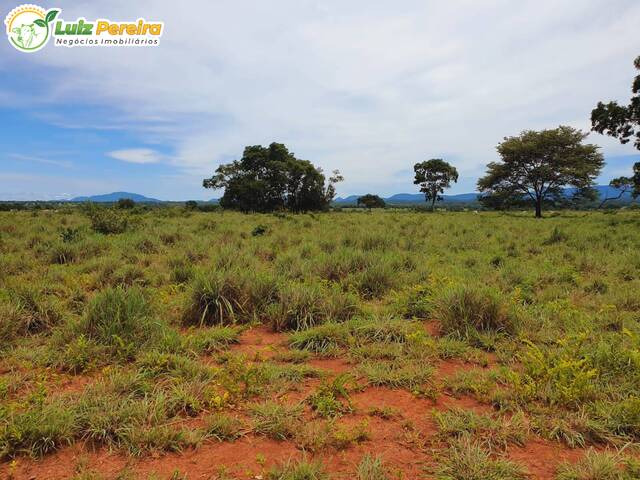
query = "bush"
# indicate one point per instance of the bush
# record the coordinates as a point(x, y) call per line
point(464, 311)
point(107, 221)
point(125, 204)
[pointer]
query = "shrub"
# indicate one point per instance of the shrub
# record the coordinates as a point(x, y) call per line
point(107, 221)
point(125, 204)
point(332, 399)
point(465, 311)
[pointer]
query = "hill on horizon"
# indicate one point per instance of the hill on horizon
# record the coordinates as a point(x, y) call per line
point(604, 191)
point(114, 197)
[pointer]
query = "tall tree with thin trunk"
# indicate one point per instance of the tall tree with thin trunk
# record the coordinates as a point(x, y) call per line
point(538, 165)
point(434, 176)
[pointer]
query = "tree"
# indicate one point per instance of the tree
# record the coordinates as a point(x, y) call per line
point(618, 121)
point(191, 205)
point(125, 203)
point(272, 178)
point(625, 184)
point(538, 165)
point(622, 184)
point(434, 176)
point(371, 201)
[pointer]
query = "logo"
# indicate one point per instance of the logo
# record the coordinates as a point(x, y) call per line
point(29, 28)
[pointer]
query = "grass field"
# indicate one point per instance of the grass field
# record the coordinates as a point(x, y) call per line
point(169, 344)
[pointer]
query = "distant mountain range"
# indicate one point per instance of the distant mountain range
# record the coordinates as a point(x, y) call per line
point(114, 197)
point(604, 191)
point(412, 198)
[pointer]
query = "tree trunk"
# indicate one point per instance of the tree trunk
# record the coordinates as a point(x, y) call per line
point(539, 208)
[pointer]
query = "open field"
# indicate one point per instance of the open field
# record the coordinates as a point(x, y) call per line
point(385, 345)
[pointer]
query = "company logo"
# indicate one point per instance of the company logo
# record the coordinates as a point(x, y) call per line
point(29, 28)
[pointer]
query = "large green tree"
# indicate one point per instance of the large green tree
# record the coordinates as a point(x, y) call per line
point(538, 165)
point(271, 178)
point(371, 201)
point(434, 176)
point(622, 122)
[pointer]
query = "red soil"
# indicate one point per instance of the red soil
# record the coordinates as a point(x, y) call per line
point(403, 440)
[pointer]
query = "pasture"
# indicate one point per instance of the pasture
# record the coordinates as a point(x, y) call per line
point(171, 344)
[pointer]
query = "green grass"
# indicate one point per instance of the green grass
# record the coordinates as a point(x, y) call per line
point(140, 313)
point(468, 460)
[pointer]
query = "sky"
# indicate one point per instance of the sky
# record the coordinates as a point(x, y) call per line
point(368, 87)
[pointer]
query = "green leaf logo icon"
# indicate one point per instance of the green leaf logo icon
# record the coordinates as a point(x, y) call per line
point(51, 15)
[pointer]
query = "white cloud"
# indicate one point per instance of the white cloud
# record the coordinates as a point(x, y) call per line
point(370, 87)
point(136, 155)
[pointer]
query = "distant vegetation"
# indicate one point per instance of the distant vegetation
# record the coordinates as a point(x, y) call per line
point(434, 176)
point(371, 201)
point(538, 165)
point(270, 179)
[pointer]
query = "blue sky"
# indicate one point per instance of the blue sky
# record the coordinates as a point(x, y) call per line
point(367, 87)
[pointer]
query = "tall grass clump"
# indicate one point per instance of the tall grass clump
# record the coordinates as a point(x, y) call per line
point(227, 297)
point(33, 310)
point(302, 306)
point(118, 322)
point(464, 311)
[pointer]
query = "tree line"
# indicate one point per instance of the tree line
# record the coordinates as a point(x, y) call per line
point(534, 167)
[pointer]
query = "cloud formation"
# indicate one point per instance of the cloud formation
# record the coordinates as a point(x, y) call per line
point(136, 155)
point(367, 87)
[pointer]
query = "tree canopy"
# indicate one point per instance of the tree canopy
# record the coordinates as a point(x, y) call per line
point(434, 176)
point(371, 201)
point(538, 165)
point(271, 178)
point(622, 122)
